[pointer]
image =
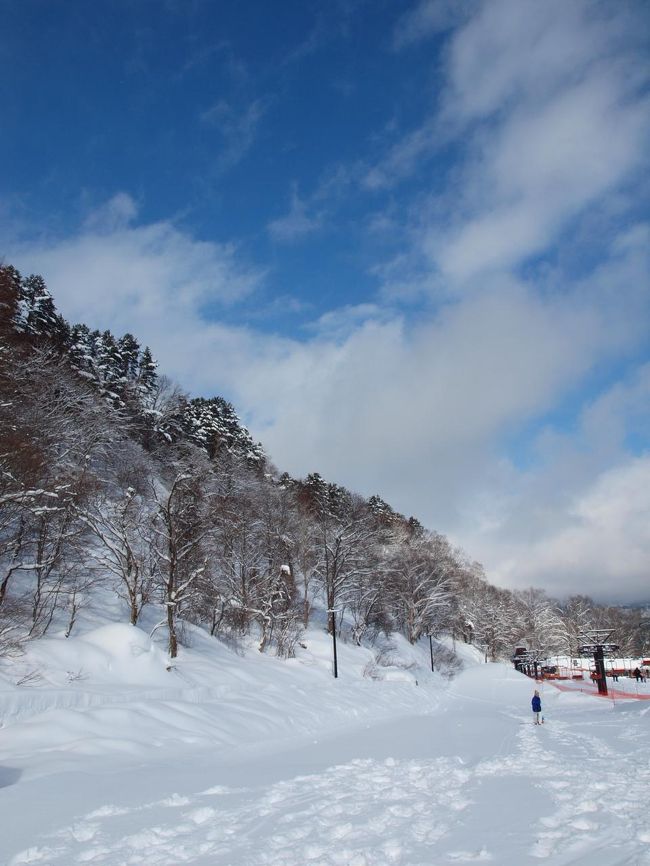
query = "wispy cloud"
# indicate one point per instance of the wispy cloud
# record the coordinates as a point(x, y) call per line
point(315, 40)
point(113, 215)
point(203, 56)
point(403, 158)
point(427, 18)
point(121, 274)
point(296, 223)
point(547, 106)
point(339, 325)
point(238, 129)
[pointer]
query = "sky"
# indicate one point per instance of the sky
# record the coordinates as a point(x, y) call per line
point(409, 241)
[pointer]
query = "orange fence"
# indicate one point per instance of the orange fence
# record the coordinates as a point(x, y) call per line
point(590, 689)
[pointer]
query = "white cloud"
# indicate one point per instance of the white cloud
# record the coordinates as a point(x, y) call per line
point(117, 213)
point(154, 280)
point(577, 518)
point(338, 325)
point(538, 171)
point(427, 18)
point(451, 385)
point(520, 50)
point(546, 104)
point(603, 547)
point(621, 411)
point(296, 223)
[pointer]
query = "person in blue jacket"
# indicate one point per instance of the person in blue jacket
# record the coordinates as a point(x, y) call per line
point(537, 706)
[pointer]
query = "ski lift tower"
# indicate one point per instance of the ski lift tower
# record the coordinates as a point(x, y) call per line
point(597, 645)
point(527, 661)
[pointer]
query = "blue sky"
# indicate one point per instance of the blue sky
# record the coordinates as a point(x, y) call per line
point(409, 241)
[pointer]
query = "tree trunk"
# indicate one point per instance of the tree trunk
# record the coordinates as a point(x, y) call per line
point(171, 625)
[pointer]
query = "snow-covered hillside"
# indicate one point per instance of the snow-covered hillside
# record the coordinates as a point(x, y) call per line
point(113, 690)
point(235, 758)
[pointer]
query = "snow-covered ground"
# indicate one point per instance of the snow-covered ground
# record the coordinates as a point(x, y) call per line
point(231, 759)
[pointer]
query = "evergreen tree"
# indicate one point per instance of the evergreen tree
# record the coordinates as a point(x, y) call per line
point(129, 350)
point(214, 425)
point(10, 285)
point(313, 493)
point(109, 364)
point(81, 350)
point(40, 317)
point(147, 376)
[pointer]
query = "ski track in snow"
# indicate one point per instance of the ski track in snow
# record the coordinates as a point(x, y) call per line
point(601, 796)
point(381, 813)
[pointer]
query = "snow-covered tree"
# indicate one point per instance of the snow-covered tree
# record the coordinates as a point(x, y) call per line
point(343, 540)
point(146, 377)
point(419, 586)
point(181, 533)
point(214, 426)
point(542, 627)
point(122, 528)
point(36, 313)
point(129, 355)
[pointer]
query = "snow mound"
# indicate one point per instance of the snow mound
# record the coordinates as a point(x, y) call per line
point(469, 654)
point(116, 653)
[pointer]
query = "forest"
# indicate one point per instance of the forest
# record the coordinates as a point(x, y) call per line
point(112, 477)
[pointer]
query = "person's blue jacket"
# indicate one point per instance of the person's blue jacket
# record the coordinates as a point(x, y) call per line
point(537, 704)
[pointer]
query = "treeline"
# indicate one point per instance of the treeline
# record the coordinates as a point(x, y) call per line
point(110, 476)
point(120, 371)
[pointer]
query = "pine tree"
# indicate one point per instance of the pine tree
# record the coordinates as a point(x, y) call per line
point(381, 511)
point(81, 350)
point(129, 350)
point(214, 425)
point(39, 314)
point(147, 376)
point(313, 493)
point(109, 365)
point(10, 285)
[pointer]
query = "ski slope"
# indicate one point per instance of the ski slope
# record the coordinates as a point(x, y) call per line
point(249, 761)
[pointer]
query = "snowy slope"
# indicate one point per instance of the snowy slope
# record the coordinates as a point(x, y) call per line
point(232, 760)
point(113, 690)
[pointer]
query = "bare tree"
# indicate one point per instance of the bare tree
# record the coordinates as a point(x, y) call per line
point(343, 553)
point(50, 432)
point(542, 626)
point(420, 583)
point(364, 598)
point(58, 537)
point(124, 531)
point(304, 560)
point(181, 532)
point(576, 614)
